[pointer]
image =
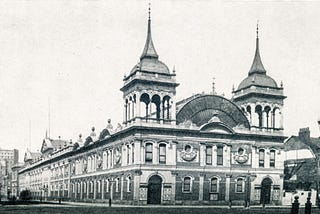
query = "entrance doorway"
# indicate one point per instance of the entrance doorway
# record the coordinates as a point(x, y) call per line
point(154, 190)
point(265, 197)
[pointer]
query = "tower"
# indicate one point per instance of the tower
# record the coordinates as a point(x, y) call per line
point(149, 89)
point(259, 96)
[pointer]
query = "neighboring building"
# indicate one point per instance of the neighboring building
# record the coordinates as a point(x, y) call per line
point(302, 171)
point(8, 158)
point(205, 149)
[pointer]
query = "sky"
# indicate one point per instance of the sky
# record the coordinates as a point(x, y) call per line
point(69, 58)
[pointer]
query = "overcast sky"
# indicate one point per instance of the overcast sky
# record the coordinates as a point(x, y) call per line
point(74, 55)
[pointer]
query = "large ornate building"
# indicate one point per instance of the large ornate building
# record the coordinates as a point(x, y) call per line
point(204, 149)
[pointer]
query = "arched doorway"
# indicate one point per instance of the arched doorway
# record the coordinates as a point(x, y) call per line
point(154, 190)
point(265, 197)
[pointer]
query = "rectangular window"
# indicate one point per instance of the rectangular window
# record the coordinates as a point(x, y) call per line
point(220, 155)
point(261, 158)
point(129, 184)
point(209, 155)
point(162, 153)
point(187, 184)
point(149, 152)
point(272, 158)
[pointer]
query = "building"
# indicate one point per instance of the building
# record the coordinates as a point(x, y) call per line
point(8, 158)
point(302, 163)
point(204, 149)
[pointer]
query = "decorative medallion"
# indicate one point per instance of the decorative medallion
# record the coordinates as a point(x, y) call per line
point(188, 154)
point(241, 156)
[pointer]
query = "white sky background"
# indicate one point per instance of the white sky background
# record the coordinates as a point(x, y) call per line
point(75, 53)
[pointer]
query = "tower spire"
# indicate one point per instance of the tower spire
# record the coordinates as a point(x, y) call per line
point(257, 66)
point(149, 51)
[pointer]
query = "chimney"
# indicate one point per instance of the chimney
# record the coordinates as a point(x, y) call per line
point(304, 135)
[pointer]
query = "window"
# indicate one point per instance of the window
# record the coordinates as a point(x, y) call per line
point(272, 158)
point(209, 155)
point(117, 184)
point(108, 185)
point(132, 155)
point(261, 158)
point(239, 185)
point(128, 154)
point(91, 187)
point(214, 185)
point(99, 186)
point(162, 153)
point(149, 152)
point(187, 184)
point(84, 187)
point(220, 155)
point(129, 185)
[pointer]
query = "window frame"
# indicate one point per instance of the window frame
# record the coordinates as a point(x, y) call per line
point(216, 185)
point(220, 155)
point(262, 157)
point(272, 162)
point(209, 155)
point(238, 185)
point(149, 153)
point(163, 155)
point(187, 184)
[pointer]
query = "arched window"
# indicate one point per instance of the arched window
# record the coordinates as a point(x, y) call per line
point(261, 157)
point(85, 187)
point(162, 153)
point(240, 185)
point(117, 184)
point(107, 185)
point(99, 186)
point(187, 184)
point(214, 185)
point(149, 153)
point(129, 184)
point(272, 158)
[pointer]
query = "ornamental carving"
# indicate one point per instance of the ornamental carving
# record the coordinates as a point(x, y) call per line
point(241, 156)
point(188, 154)
point(117, 155)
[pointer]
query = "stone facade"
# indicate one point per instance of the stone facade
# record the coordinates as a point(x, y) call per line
point(202, 150)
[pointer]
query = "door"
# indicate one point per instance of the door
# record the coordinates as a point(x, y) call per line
point(154, 190)
point(265, 197)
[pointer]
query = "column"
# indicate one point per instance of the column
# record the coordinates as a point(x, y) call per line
point(201, 179)
point(227, 194)
point(281, 119)
point(202, 155)
point(136, 184)
point(111, 189)
point(102, 189)
point(94, 189)
point(155, 153)
point(173, 111)
point(173, 186)
point(88, 189)
point(81, 190)
point(214, 155)
point(138, 107)
point(121, 188)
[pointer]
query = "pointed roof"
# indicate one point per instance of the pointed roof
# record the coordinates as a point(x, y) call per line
point(257, 66)
point(149, 51)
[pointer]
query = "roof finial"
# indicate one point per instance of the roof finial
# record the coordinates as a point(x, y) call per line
point(213, 86)
point(258, 28)
point(149, 11)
